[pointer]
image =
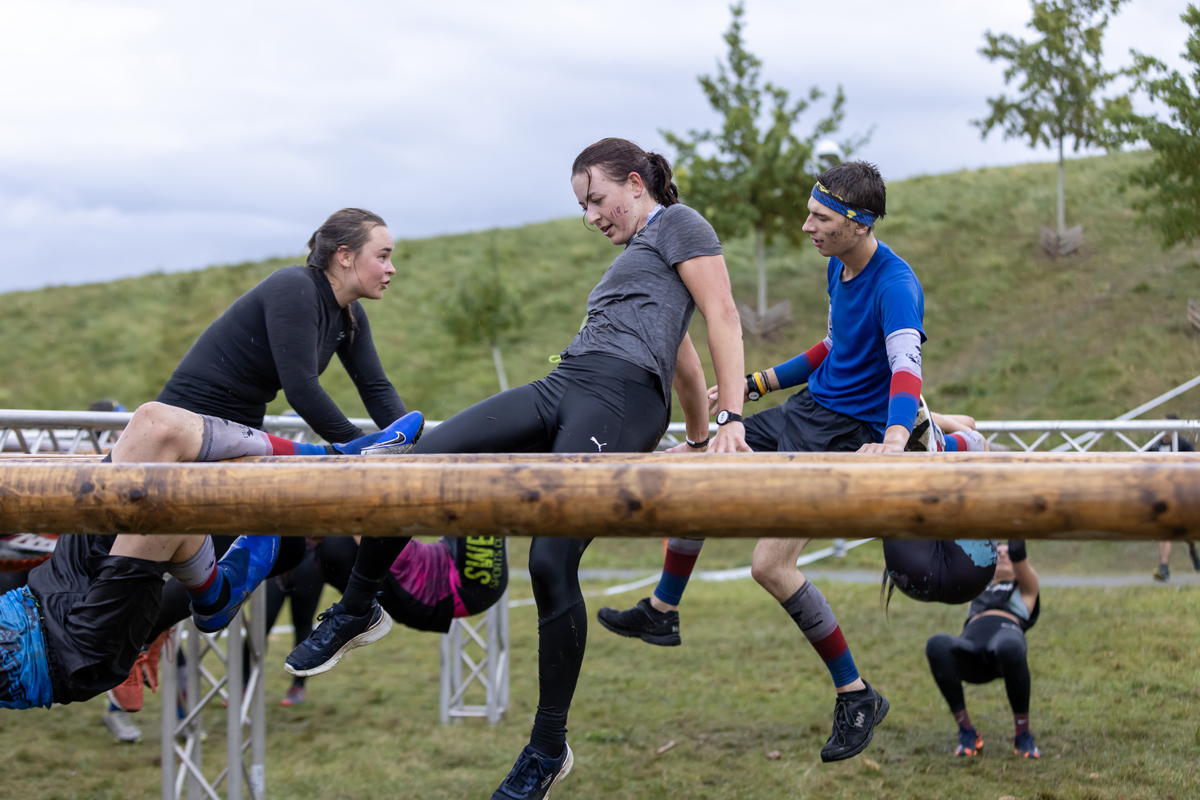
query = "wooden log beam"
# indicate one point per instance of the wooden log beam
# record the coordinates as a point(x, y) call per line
point(921, 498)
point(1130, 457)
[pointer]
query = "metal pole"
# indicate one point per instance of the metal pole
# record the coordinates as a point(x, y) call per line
point(258, 707)
point(493, 664)
point(447, 653)
point(233, 711)
point(196, 728)
point(169, 693)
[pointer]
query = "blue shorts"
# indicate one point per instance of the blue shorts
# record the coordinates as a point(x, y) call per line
point(24, 668)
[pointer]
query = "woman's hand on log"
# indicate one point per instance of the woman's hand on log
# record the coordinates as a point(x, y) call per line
point(729, 438)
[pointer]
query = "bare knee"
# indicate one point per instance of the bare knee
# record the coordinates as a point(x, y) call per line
point(159, 432)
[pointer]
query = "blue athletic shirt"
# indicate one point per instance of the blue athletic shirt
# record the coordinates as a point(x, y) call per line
point(854, 379)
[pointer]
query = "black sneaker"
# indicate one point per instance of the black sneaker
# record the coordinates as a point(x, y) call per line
point(1162, 573)
point(533, 777)
point(645, 621)
point(854, 719)
point(337, 634)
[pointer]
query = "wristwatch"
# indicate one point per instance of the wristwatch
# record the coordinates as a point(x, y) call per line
point(752, 391)
point(725, 417)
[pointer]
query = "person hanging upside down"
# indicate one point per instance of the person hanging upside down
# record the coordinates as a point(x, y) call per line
point(611, 393)
point(992, 645)
point(78, 627)
point(430, 584)
point(863, 384)
point(161, 433)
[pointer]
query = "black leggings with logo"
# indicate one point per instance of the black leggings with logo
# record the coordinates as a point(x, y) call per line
point(589, 404)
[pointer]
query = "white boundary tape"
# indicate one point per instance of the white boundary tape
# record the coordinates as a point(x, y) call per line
point(712, 575)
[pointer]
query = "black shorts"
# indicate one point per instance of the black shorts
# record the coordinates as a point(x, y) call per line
point(802, 425)
point(96, 619)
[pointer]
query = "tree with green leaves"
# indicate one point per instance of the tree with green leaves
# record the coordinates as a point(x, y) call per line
point(1060, 83)
point(1173, 177)
point(756, 172)
point(482, 307)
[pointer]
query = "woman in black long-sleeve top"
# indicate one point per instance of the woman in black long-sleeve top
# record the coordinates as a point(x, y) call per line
point(282, 334)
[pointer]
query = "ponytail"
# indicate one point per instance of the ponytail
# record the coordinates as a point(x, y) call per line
point(617, 158)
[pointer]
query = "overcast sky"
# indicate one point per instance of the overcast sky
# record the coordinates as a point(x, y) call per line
point(144, 136)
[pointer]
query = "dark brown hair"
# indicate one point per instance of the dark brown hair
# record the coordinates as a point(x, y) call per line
point(858, 183)
point(619, 157)
point(350, 227)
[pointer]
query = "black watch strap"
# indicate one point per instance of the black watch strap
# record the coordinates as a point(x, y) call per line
point(725, 417)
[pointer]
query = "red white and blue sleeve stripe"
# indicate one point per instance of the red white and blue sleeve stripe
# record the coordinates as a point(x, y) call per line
point(904, 359)
point(798, 370)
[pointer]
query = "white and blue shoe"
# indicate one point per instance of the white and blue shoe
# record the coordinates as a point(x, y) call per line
point(399, 437)
point(532, 777)
point(396, 439)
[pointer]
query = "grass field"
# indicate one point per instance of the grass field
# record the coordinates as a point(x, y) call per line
point(1116, 710)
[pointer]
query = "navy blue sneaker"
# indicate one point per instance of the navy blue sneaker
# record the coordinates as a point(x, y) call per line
point(396, 439)
point(854, 719)
point(337, 634)
point(243, 567)
point(969, 742)
point(533, 777)
point(1024, 747)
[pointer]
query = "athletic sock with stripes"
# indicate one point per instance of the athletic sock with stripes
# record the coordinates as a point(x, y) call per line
point(205, 586)
point(815, 619)
point(223, 439)
point(678, 564)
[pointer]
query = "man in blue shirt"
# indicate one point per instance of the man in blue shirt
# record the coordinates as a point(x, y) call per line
point(863, 389)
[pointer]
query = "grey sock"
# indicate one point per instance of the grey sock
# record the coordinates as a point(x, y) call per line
point(223, 439)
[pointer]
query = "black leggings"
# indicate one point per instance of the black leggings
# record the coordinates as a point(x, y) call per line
point(990, 647)
point(589, 404)
point(940, 572)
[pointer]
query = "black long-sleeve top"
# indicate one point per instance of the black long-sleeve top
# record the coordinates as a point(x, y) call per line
point(281, 335)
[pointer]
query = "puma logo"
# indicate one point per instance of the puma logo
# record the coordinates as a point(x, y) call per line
point(599, 447)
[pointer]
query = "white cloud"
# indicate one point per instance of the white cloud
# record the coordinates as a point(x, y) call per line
point(142, 135)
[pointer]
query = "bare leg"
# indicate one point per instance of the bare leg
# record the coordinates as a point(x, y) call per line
point(1164, 552)
point(953, 423)
point(774, 567)
point(171, 547)
point(159, 433)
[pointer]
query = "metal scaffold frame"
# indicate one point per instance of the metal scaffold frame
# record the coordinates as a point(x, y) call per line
point(489, 669)
point(182, 739)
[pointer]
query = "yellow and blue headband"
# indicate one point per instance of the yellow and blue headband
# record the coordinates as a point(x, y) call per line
point(832, 201)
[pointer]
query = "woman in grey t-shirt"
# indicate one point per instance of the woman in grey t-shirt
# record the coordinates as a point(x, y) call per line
point(611, 393)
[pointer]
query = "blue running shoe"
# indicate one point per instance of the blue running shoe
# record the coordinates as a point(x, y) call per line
point(395, 439)
point(1024, 747)
point(337, 634)
point(533, 777)
point(243, 567)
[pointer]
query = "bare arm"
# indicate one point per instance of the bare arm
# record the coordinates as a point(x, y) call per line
point(708, 281)
point(689, 385)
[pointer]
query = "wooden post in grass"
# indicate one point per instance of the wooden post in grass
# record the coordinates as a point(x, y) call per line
point(918, 497)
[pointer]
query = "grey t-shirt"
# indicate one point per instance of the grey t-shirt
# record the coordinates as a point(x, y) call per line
point(640, 309)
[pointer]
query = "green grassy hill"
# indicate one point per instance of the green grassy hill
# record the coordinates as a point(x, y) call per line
point(1012, 333)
